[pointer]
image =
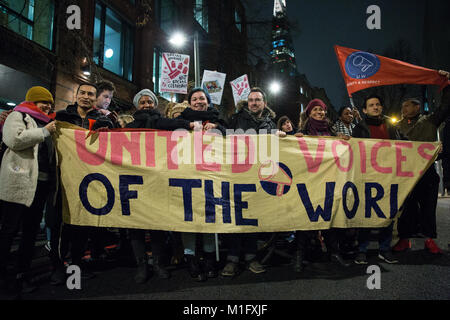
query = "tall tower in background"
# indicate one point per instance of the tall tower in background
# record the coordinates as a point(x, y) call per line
point(282, 51)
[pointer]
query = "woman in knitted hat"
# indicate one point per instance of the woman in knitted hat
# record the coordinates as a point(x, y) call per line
point(27, 177)
point(200, 111)
point(314, 122)
point(148, 117)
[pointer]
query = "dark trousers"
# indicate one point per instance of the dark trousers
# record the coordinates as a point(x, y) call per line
point(241, 243)
point(384, 238)
point(332, 238)
point(446, 171)
point(419, 213)
point(157, 240)
point(16, 216)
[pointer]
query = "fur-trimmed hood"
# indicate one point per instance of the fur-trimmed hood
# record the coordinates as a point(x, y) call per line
point(243, 105)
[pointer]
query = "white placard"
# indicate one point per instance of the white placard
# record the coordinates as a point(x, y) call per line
point(214, 82)
point(241, 88)
point(174, 73)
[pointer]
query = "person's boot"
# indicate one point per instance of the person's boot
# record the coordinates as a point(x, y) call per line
point(210, 265)
point(338, 259)
point(194, 268)
point(141, 275)
point(58, 275)
point(298, 261)
point(159, 269)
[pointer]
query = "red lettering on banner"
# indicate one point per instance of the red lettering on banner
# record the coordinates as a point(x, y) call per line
point(150, 149)
point(93, 159)
point(237, 167)
point(377, 146)
point(171, 149)
point(336, 157)
point(401, 158)
point(312, 164)
point(362, 156)
point(199, 150)
point(119, 141)
point(423, 154)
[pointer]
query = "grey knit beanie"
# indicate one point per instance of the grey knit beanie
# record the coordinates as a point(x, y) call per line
point(145, 92)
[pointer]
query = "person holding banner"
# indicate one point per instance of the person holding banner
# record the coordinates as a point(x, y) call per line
point(253, 114)
point(345, 122)
point(148, 117)
point(285, 124)
point(315, 123)
point(375, 125)
point(82, 113)
point(27, 179)
point(200, 111)
point(419, 214)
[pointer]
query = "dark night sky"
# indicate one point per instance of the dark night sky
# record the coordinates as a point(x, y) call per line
point(319, 25)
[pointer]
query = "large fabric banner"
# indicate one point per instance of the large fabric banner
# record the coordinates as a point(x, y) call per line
point(204, 182)
point(362, 70)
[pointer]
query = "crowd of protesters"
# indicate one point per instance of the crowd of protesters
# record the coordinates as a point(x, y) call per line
point(29, 183)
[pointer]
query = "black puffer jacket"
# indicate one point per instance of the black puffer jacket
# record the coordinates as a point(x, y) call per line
point(211, 115)
point(244, 119)
point(71, 115)
point(152, 119)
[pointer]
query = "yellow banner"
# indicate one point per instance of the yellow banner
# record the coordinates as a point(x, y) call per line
point(202, 182)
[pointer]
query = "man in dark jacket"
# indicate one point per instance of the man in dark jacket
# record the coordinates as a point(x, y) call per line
point(374, 125)
point(255, 115)
point(83, 114)
point(419, 214)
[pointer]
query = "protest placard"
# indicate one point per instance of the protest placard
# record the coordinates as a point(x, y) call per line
point(214, 83)
point(174, 73)
point(241, 88)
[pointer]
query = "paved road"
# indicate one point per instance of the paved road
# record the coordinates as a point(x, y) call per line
point(417, 276)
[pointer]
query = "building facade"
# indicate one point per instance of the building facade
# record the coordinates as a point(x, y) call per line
point(117, 40)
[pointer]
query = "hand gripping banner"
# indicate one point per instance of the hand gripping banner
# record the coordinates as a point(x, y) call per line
point(202, 182)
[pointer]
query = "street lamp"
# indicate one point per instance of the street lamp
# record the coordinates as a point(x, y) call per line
point(178, 39)
point(275, 87)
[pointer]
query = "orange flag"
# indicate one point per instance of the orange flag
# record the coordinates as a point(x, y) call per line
point(362, 70)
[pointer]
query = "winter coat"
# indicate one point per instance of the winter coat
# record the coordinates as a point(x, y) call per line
point(245, 120)
point(93, 120)
point(304, 129)
point(152, 119)
point(361, 130)
point(19, 168)
point(424, 127)
point(211, 115)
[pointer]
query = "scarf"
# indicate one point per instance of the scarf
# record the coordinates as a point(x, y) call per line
point(31, 109)
point(318, 127)
point(210, 115)
point(371, 121)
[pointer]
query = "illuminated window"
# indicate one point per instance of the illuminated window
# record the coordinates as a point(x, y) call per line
point(201, 13)
point(238, 20)
point(32, 19)
point(113, 42)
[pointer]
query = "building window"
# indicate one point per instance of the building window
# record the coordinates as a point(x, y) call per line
point(32, 19)
point(301, 89)
point(166, 14)
point(201, 13)
point(238, 20)
point(113, 42)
